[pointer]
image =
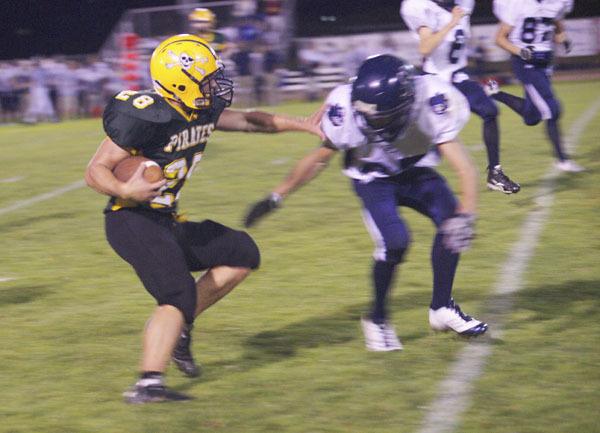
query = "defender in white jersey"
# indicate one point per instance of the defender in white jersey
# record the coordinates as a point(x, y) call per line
point(530, 30)
point(443, 29)
point(391, 127)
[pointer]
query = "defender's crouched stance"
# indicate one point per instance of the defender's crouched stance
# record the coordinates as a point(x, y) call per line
point(391, 126)
point(171, 127)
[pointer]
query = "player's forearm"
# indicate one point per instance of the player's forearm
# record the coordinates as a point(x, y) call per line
point(305, 170)
point(260, 121)
point(428, 43)
point(503, 42)
point(560, 36)
point(101, 179)
point(467, 174)
point(468, 190)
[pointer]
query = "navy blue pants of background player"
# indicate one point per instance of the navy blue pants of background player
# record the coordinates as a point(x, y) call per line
point(425, 191)
point(486, 108)
point(164, 252)
point(540, 101)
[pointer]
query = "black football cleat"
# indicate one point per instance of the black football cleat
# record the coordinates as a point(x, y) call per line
point(139, 394)
point(182, 354)
point(498, 181)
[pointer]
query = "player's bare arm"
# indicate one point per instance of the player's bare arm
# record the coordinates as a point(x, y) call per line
point(430, 40)
point(99, 175)
point(260, 121)
point(303, 172)
point(502, 39)
point(460, 161)
point(561, 37)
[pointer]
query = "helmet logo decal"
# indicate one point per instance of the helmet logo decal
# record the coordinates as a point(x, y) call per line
point(364, 107)
point(186, 61)
point(439, 103)
point(336, 114)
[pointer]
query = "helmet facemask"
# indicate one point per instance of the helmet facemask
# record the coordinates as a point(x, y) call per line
point(388, 124)
point(214, 87)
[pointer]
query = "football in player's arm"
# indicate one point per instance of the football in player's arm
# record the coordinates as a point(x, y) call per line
point(529, 30)
point(171, 126)
point(391, 125)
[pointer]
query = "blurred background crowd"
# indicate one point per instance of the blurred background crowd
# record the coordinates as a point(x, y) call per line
point(275, 50)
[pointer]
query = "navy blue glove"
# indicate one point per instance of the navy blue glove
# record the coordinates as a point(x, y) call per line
point(567, 45)
point(261, 208)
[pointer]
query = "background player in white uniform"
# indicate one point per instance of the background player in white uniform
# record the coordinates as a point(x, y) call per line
point(530, 30)
point(443, 29)
point(391, 127)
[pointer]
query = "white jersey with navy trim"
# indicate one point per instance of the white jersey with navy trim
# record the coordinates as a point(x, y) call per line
point(439, 114)
point(451, 54)
point(532, 20)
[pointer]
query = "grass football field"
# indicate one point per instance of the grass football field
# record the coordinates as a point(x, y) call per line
point(284, 353)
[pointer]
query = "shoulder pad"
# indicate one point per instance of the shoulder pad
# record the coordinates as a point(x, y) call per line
point(131, 118)
point(416, 14)
point(146, 106)
point(338, 122)
point(444, 110)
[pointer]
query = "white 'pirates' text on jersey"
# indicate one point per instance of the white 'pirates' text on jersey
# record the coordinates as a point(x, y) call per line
point(439, 113)
point(532, 20)
point(451, 54)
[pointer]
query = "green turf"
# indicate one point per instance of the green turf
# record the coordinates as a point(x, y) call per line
point(284, 352)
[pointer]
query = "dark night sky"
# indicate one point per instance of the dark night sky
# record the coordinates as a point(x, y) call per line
point(43, 27)
point(46, 27)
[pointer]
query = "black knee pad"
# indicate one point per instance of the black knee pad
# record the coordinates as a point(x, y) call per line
point(489, 113)
point(246, 251)
point(395, 256)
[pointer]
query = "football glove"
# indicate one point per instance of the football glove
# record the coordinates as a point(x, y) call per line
point(567, 45)
point(458, 232)
point(538, 58)
point(261, 208)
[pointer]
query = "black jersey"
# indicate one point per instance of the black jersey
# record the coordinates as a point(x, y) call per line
point(143, 123)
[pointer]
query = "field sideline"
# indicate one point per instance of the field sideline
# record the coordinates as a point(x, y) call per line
point(284, 352)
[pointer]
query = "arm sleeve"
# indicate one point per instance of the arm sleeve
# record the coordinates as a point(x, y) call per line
point(338, 123)
point(415, 15)
point(446, 124)
point(503, 11)
point(467, 5)
point(567, 9)
point(126, 131)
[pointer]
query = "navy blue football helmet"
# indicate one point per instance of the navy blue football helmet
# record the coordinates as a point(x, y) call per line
point(446, 4)
point(383, 94)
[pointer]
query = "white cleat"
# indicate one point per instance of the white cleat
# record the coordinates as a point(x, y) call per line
point(568, 166)
point(452, 318)
point(380, 337)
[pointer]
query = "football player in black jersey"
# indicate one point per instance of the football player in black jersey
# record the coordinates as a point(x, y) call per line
point(171, 126)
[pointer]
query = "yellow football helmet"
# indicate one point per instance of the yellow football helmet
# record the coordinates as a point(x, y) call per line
point(185, 68)
point(202, 19)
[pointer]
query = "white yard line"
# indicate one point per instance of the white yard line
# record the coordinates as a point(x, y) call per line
point(12, 179)
point(5, 279)
point(42, 197)
point(454, 393)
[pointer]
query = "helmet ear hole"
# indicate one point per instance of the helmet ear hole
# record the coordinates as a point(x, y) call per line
point(181, 87)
